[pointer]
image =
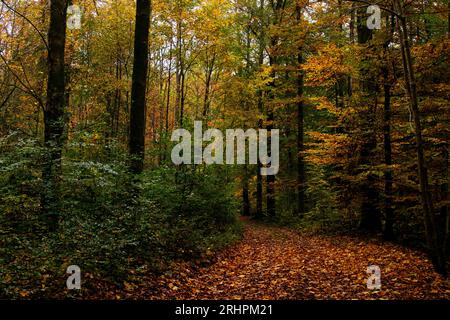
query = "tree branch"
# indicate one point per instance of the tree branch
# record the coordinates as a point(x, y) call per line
point(29, 21)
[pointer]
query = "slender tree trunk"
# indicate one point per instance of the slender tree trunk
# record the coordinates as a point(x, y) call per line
point(270, 179)
point(138, 87)
point(117, 100)
point(388, 232)
point(436, 245)
point(443, 218)
point(182, 96)
point(246, 208)
point(448, 21)
point(300, 130)
point(162, 97)
point(245, 193)
point(370, 213)
point(259, 180)
point(54, 113)
point(352, 41)
point(169, 78)
point(179, 69)
point(388, 209)
point(206, 99)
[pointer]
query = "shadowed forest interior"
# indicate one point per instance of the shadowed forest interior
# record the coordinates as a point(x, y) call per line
point(92, 90)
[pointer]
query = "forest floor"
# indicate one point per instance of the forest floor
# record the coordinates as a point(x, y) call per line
point(277, 263)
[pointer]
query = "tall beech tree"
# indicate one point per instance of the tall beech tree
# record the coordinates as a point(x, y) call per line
point(370, 214)
point(388, 231)
point(138, 86)
point(300, 124)
point(54, 112)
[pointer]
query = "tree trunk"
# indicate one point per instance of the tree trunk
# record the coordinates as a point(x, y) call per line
point(388, 210)
point(270, 179)
point(448, 21)
point(245, 193)
point(182, 95)
point(209, 68)
point(169, 78)
point(179, 69)
point(259, 180)
point(300, 129)
point(388, 232)
point(370, 215)
point(54, 112)
point(273, 61)
point(138, 87)
point(435, 244)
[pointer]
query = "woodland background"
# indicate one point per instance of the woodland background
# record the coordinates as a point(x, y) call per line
point(86, 117)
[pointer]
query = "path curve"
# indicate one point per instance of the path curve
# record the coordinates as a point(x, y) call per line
point(277, 263)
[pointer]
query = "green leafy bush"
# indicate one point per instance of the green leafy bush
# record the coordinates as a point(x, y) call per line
point(109, 221)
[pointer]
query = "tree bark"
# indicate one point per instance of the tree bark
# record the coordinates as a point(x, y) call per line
point(300, 128)
point(259, 180)
point(388, 232)
point(169, 78)
point(138, 87)
point(448, 21)
point(179, 68)
point(245, 193)
point(436, 245)
point(54, 113)
point(370, 215)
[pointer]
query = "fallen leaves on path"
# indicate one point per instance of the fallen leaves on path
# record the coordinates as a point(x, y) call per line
point(277, 263)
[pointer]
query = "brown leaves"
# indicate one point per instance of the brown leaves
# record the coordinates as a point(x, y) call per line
point(276, 263)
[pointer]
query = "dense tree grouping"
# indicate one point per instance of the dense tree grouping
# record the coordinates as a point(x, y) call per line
point(87, 114)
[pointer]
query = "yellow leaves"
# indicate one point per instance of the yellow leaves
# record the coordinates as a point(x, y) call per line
point(129, 286)
point(329, 148)
point(264, 77)
point(322, 103)
point(326, 68)
point(24, 294)
point(173, 287)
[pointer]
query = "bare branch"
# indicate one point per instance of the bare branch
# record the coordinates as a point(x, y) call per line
point(29, 21)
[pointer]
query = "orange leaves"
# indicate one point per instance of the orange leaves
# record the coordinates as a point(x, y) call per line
point(173, 287)
point(326, 68)
point(275, 263)
point(322, 103)
point(278, 263)
point(327, 148)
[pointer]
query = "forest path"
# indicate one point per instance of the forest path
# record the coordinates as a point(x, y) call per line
point(277, 263)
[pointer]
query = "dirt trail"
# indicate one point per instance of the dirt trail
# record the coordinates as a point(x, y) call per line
point(277, 263)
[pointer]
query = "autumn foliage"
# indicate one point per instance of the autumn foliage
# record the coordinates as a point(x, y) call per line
point(86, 176)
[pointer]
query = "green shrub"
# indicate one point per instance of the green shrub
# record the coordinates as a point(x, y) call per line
point(109, 221)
